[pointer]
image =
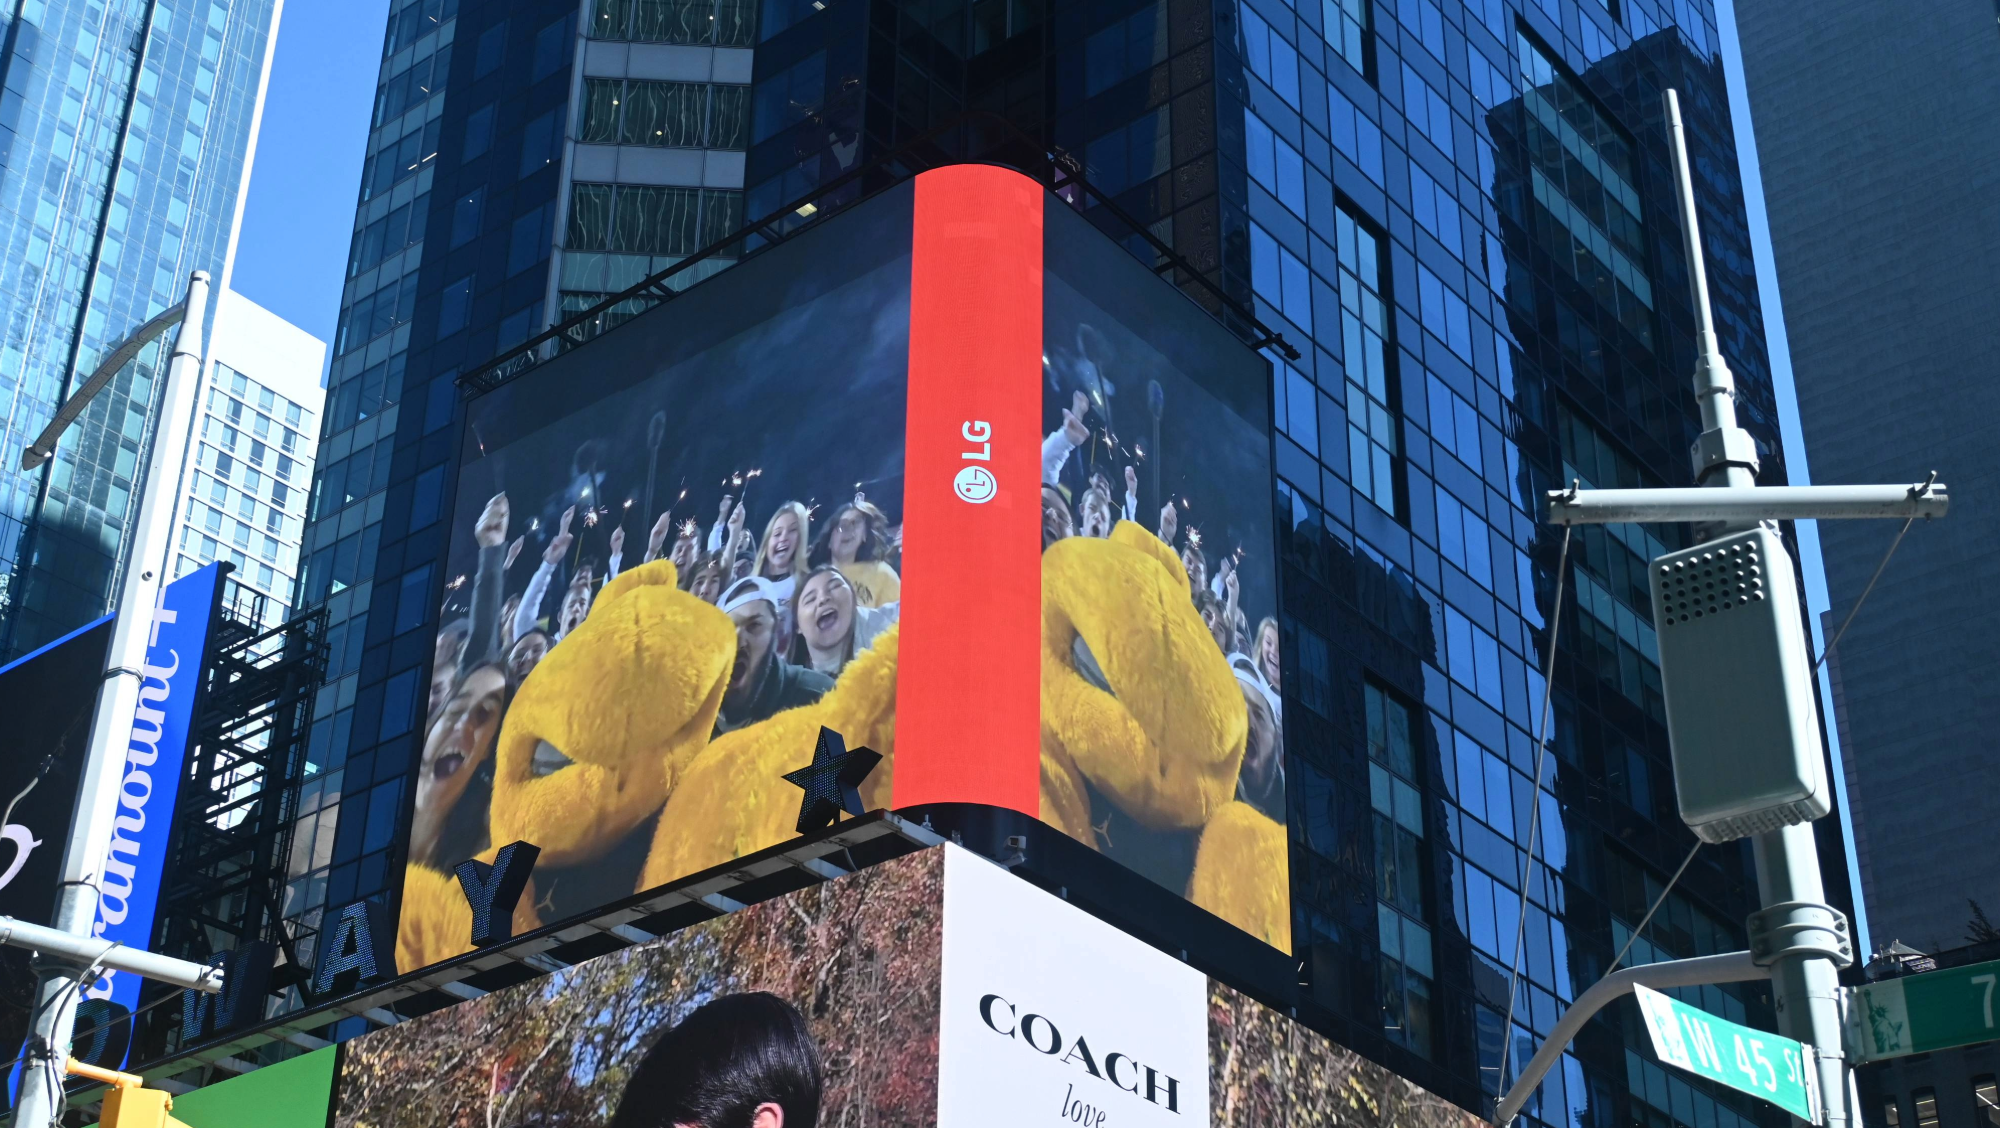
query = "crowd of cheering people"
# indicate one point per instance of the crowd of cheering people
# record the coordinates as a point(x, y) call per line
point(805, 598)
point(1078, 500)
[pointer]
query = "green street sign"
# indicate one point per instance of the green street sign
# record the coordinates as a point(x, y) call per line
point(1920, 1013)
point(1766, 1066)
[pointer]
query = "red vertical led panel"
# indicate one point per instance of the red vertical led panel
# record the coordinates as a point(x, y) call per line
point(968, 697)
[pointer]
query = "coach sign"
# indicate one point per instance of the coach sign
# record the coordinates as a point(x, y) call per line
point(1051, 1016)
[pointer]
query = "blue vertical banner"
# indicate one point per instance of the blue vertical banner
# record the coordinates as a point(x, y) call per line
point(155, 759)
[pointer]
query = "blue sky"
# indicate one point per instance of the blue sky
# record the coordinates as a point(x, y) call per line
point(300, 213)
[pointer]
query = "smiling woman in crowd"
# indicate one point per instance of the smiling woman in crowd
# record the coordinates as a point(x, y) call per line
point(832, 624)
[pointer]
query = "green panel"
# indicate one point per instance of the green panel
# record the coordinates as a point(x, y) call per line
point(290, 1094)
point(1920, 1013)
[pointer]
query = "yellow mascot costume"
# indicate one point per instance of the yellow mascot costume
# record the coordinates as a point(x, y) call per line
point(733, 799)
point(437, 919)
point(1139, 703)
point(1157, 727)
point(591, 747)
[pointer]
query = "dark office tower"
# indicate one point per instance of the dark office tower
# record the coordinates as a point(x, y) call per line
point(1877, 171)
point(1459, 217)
point(522, 153)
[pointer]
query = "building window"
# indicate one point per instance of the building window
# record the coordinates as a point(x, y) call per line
point(1133, 154)
point(1345, 25)
point(1986, 1102)
point(1580, 172)
point(1398, 814)
point(1428, 111)
point(1892, 1113)
point(686, 115)
point(414, 20)
point(1612, 588)
point(1133, 45)
point(1270, 56)
point(1373, 448)
point(1925, 1101)
point(795, 95)
point(650, 221)
point(720, 23)
point(413, 86)
point(1273, 163)
point(996, 21)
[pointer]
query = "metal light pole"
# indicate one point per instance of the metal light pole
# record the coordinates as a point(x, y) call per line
point(1747, 762)
point(60, 986)
point(1796, 932)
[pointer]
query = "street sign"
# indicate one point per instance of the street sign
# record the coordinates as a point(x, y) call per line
point(1766, 1066)
point(1920, 1013)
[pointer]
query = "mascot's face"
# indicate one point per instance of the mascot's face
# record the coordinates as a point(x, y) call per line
point(600, 728)
point(1134, 691)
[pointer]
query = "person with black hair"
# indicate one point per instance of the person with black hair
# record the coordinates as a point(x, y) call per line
point(855, 541)
point(761, 683)
point(741, 1061)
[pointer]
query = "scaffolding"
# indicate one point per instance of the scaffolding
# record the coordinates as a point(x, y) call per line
point(226, 875)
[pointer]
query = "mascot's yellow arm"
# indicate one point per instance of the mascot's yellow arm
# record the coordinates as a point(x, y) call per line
point(1166, 742)
point(732, 800)
point(1241, 874)
point(629, 698)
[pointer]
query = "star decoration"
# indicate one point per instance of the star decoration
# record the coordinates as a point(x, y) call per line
point(832, 781)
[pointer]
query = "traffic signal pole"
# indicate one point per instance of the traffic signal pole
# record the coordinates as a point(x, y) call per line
point(1796, 933)
point(61, 987)
point(1801, 937)
point(1741, 702)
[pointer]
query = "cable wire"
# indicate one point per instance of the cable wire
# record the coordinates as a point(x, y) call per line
point(1657, 902)
point(1671, 883)
point(51, 1062)
point(1856, 609)
point(159, 1002)
point(1534, 812)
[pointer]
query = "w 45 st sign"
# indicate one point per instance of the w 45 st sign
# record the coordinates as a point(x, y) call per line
point(1766, 1066)
point(1920, 1013)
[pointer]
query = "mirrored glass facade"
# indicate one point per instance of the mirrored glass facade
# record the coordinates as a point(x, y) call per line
point(123, 151)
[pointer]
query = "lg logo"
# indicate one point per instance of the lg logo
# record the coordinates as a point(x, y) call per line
point(976, 484)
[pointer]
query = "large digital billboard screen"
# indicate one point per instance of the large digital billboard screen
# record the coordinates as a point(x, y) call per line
point(950, 474)
point(921, 991)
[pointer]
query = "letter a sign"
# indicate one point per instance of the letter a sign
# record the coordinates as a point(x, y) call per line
point(155, 752)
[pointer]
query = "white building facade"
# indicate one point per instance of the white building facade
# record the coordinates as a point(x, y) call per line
point(256, 437)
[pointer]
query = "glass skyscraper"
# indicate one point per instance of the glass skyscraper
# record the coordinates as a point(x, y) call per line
point(1460, 215)
point(125, 136)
